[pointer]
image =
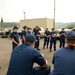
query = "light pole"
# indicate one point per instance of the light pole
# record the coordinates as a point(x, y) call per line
point(1, 22)
point(54, 14)
point(24, 15)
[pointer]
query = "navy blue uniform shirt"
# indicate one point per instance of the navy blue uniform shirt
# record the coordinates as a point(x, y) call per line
point(47, 33)
point(15, 36)
point(22, 60)
point(64, 62)
point(53, 35)
point(24, 33)
point(36, 32)
point(62, 36)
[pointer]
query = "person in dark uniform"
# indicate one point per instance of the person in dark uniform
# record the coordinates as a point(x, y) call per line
point(29, 30)
point(15, 37)
point(53, 39)
point(64, 58)
point(46, 38)
point(24, 33)
point(62, 38)
point(23, 58)
point(37, 35)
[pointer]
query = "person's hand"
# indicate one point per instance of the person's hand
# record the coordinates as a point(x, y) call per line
point(19, 44)
point(42, 55)
point(46, 62)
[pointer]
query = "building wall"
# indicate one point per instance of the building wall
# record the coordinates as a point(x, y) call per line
point(49, 23)
point(41, 22)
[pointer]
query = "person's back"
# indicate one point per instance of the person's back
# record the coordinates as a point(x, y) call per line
point(64, 58)
point(23, 58)
point(64, 62)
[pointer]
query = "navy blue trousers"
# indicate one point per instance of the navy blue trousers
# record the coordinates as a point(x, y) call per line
point(53, 41)
point(37, 44)
point(46, 42)
point(42, 71)
point(62, 42)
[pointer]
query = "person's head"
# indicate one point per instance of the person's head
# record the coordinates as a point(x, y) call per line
point(37, 28)
point(28, 29)
point(25, 28)
point(52, 29)
point(63, 29)
point(15, 28)
point(46, 29)
point(30, 38)
point(71, 39)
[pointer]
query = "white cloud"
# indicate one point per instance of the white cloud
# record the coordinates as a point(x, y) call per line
point(12, 10)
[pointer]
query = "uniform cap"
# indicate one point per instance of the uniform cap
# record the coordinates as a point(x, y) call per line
point(31, 38)
point(37, 27)
point(15, 27)
point(71, 36)
point(24, 27)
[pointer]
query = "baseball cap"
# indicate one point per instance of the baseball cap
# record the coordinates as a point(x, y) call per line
point(24, 27)
point(31, 38)
point(15, 27)
point(71, 36)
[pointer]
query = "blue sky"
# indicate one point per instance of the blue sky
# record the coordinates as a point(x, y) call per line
point(12, 10)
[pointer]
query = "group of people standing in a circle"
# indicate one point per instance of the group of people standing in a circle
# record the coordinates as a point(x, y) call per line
point(25, 55)
point(49, 37)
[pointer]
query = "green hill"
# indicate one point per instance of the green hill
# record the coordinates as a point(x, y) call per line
point(65, 25)
point(71, 25)
point(9, 24)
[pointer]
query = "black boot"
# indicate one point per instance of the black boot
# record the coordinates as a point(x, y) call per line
point(47, 47)
point(38, 49)
point(54, 49)
point(50, 50)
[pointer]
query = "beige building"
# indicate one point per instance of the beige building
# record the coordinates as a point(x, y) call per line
point(41, 22)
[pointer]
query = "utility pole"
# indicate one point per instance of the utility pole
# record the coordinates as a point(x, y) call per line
point(1, 22)
point(24, 15)
point(54, 14)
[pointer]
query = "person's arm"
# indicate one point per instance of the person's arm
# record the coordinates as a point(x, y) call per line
point(40, 60)
point(49, 34)
point(53, 59)
point(65, 34)
point(23, 38)
point(45, 35)
point(12, 37)
point(46, 64)
point(60, 34)
point(38, 34)
point(15, 41)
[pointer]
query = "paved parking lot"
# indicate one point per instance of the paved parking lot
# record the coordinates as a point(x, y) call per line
point(6, 49)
